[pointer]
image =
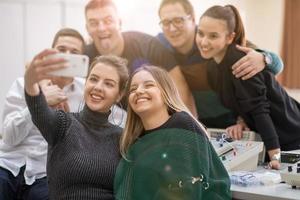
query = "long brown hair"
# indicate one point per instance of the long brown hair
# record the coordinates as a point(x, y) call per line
point(231, 15)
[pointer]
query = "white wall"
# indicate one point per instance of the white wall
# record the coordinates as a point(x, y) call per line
point(264, 23)
point(28, 26)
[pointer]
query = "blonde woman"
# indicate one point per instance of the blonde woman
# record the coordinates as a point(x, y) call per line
point(166, 153)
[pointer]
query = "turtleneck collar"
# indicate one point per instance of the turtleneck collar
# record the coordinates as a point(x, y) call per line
point(93, 118)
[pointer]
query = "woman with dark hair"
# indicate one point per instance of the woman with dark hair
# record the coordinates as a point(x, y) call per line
point(260, 101)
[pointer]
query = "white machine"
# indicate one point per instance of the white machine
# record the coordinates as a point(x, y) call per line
point(247, 135)
point(291, 173)
point(236, 155)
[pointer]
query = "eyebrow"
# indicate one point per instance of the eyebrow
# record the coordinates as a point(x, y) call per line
point(208, 32)
point(148, 81)
point(104, 18)
point(107, 79)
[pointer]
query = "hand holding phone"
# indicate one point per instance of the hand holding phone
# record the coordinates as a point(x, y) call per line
point(77, 65)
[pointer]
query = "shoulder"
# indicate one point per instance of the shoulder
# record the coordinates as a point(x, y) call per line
point(136, 35)
point(140, 38)
point(163, 40)
point(114, 131)
point(113, 128)
point(17, 88)
point(182, 120)
point(233, 54)
point(181, 116)
point(18, 83)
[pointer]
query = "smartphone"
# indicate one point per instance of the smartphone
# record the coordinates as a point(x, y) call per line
point(78, 65)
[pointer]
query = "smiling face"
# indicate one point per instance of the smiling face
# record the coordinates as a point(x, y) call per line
point(145, 96)
point(181, 31)
point(104, 26)
point(213, 38)
point(102, 88)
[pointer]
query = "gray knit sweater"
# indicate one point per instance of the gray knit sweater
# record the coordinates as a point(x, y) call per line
point(83, 151)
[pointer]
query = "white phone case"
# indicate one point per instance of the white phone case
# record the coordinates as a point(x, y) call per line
point(78, 65)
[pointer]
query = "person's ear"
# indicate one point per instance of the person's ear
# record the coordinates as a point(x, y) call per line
point(230, 37)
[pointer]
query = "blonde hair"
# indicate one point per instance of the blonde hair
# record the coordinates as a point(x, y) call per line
point(170, 95)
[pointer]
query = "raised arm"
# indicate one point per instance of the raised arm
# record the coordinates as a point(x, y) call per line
point(49, 122)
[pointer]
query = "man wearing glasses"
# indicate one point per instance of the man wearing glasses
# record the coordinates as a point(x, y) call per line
point(104, 26)
point(179, 32)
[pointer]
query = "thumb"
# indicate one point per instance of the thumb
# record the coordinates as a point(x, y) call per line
point(243, 49)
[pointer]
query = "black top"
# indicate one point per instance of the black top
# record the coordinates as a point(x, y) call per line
point(180, 120)
point(192, 64)
point(261, 101)
point(140, 49)
point(83, 151)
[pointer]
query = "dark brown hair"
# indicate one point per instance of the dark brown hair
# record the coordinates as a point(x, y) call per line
point(231, 15)
point(68, 32)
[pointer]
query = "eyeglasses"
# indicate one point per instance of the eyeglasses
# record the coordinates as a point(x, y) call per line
point(178, 22)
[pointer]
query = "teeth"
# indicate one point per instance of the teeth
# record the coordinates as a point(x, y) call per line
point(205, 49)
point(141, 100)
